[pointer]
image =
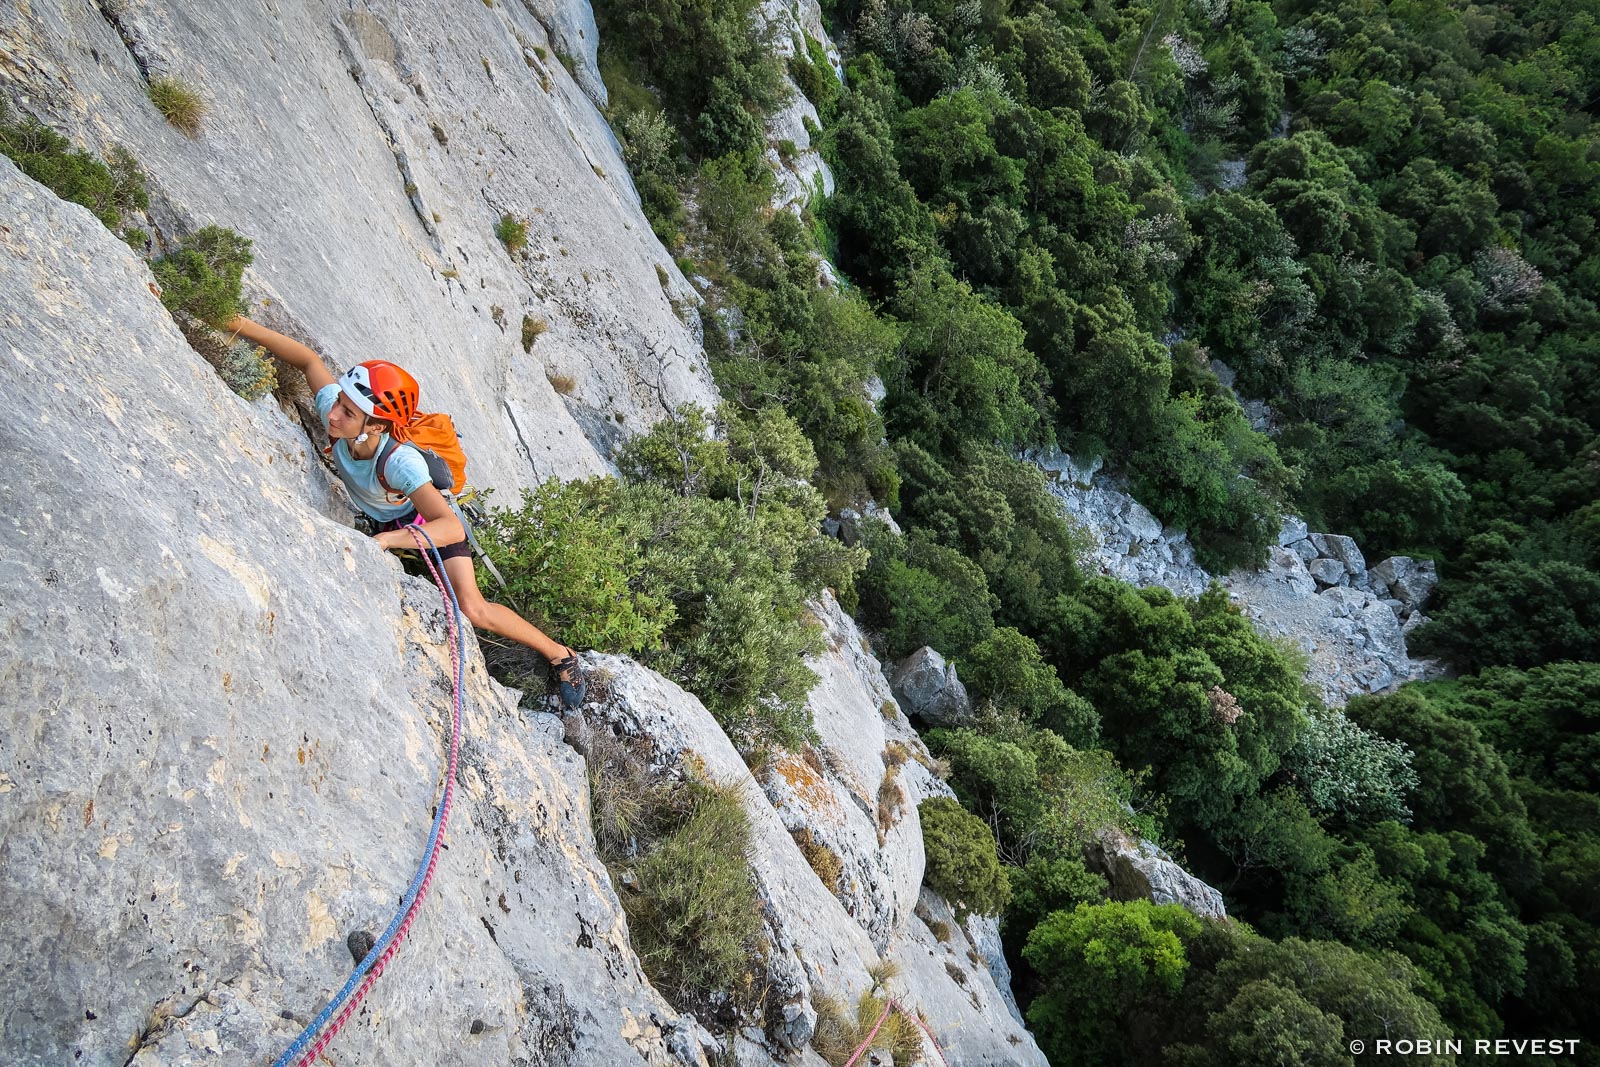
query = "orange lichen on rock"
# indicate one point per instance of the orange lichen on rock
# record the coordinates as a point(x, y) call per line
point(806, 782)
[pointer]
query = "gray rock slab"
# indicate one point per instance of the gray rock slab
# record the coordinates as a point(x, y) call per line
point(1139, 870)
point(226, 717)
point(1327, 571)
point(818, 947)
point(1293, 529)
point(319, 119)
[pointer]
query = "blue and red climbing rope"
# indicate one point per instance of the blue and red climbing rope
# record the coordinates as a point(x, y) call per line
point(371, 966)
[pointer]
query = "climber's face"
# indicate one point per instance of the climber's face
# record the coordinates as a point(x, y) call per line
point(345, 420)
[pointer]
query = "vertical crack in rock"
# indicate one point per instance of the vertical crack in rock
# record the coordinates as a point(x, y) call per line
point(359, 33)
point(113, 16)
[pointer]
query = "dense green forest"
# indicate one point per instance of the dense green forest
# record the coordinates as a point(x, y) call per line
point(1050, 218)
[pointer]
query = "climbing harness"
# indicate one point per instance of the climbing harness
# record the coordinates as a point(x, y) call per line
point(895, 1005)
point(371, 967)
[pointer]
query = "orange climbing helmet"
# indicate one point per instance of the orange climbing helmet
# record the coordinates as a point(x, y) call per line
point(382, 390)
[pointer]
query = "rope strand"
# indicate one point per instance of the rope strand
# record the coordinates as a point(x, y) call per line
point(384, 949)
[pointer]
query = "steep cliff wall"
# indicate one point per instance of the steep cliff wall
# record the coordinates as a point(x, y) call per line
point(369, 151)
point(224, 721)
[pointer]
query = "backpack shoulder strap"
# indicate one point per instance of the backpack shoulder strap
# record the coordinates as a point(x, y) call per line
point(381, 460)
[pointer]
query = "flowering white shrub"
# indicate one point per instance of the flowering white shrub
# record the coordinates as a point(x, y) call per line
point(1186, 56)
point(1509, 281)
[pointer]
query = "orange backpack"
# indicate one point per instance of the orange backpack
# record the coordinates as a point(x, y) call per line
point(436, 438)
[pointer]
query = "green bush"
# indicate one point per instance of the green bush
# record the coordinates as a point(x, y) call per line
point(203, 277)
point(1518, 614)
point(1046, 885)
point(1043, 796)
point(714, 72)
point(245, 368)
point(1099, 963)
point(811, 71)
point(923, 593)
point(571, 559)
point(512, 232)
point(109, 190)
point(693, 912)
point(1007, 667)
point(962, 864)
point(1342, 769)
point(702, 564)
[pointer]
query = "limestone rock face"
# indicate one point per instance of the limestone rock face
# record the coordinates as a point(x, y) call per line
point(570, 24)
point(928, 688)
point(369, 154)
point(1410, 581)
point(803, 173)
point(226, 717)
point(818, 945)
point(1343, 549)
point(1138, 870)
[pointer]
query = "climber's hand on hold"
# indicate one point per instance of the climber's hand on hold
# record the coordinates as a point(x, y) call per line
point(392, 540)
point(292, 352)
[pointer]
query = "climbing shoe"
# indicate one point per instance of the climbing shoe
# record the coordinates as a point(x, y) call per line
point(570, 679)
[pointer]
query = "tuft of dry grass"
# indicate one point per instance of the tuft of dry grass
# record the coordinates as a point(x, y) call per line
point(840, 1031)
point(178, 103)
point(891, 801)
point(562, 383)
point(882, 972)
point(623, 795)
point(531, 329)
point(513, 233)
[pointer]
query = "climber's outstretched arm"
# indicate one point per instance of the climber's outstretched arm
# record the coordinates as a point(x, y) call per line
point(289, 350)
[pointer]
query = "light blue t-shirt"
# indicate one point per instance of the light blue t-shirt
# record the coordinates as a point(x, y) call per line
point(406, 471)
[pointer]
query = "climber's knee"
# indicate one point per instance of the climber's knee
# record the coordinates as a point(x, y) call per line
point(476, 609)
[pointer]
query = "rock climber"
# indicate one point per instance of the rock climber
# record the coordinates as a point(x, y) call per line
point(371, 402)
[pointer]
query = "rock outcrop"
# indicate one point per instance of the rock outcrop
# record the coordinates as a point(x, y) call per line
point(860, 802)
point(226, 715)
point(1139, 870)
point(1316, 590)
point(797, 164)
point(369, 154)
point(928, 687)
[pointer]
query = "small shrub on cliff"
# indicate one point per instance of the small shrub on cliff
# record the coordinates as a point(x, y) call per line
point(110, 190)
point(513, 233)
point(178, 103)
point(702, 565)
point(962, 864)
point(823, 860)
point(841, 1030)
point(693, 912)
point(245, 368)
point(202, 277)
point(570, 556)
point(531, 329)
